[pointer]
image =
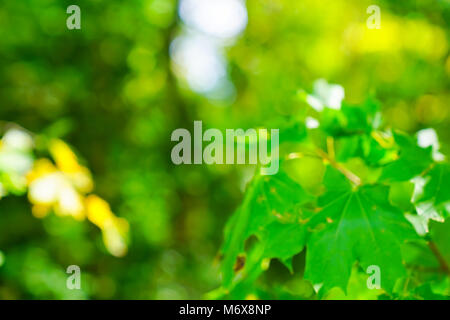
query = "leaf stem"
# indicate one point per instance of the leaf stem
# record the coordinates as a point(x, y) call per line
point(428, 169)
point(347, 173)
point(330, 148)
point(443, 264)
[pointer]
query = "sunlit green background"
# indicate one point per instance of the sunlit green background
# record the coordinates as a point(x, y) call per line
point(116, 89)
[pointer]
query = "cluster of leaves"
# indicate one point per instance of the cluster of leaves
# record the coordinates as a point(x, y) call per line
point(59, 184)
point(351, 194)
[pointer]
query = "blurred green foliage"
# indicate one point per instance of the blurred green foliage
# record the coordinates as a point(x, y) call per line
point(112, 91)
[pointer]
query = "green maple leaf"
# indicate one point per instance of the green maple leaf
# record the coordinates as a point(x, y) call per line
point(434, 203)
point(425, 292)
point(412, 160)
point(271, 212)
point(355, 224)
point(438, 187)
point(350, 119)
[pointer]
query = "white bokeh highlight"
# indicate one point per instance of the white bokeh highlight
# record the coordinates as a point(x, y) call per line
point(197, 53)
